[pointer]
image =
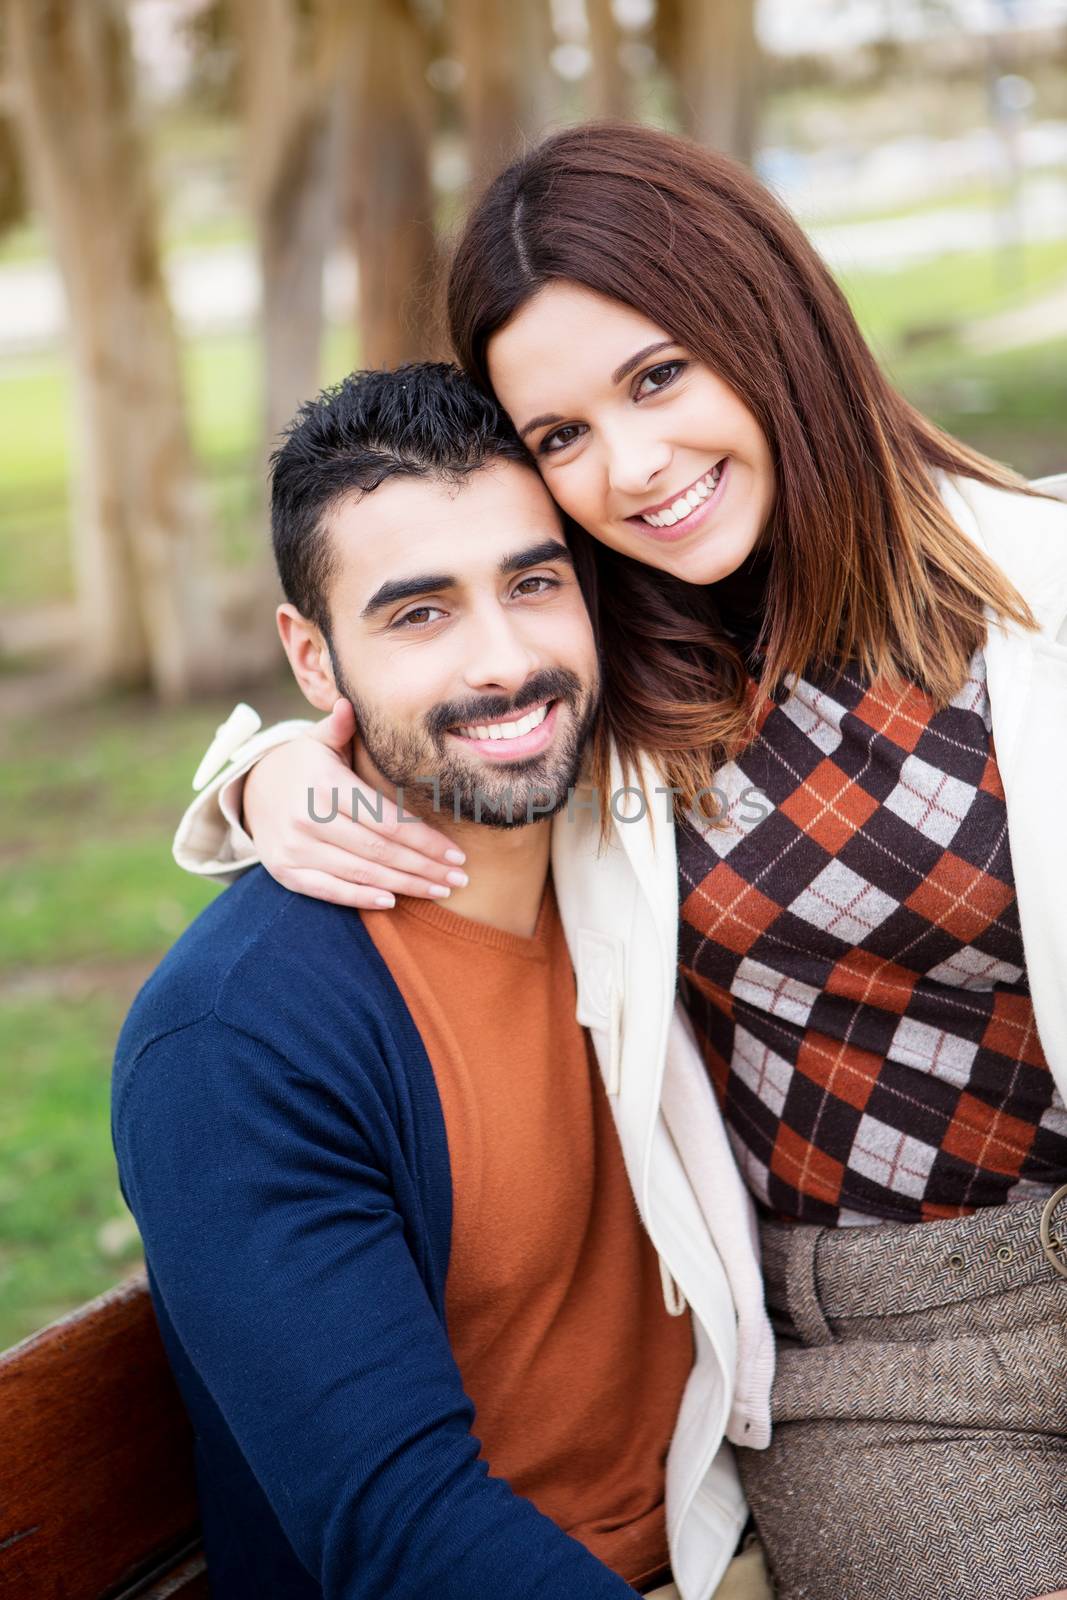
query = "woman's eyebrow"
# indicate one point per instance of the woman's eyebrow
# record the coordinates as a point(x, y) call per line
point(538, 422)
point(635, 361)
point(550, 419)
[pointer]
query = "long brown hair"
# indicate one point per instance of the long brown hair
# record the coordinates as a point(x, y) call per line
point(866, 564)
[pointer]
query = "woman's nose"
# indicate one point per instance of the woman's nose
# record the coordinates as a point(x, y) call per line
point(636, 464)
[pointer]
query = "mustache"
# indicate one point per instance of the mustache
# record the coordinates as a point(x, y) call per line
point(553, 684)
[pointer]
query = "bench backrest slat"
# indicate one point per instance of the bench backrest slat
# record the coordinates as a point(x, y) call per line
point(96, 1467)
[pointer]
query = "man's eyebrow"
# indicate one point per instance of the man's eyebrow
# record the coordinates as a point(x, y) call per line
point(396, 589)
point(534, 555)
point(550, 419)
point(407, 589)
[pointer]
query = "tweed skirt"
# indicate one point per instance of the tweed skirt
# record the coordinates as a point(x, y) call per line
point(919, 1408)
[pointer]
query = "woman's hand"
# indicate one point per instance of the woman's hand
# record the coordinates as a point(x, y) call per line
point(364, 862)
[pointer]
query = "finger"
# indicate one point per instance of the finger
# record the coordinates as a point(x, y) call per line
point(323, 886)
point(356, 870)
point(365, 804)
point(398, 847)
point(358, 801)
point(338, 728)
point(394, 852)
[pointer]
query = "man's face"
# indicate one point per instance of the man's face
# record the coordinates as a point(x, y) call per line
point(461, 638)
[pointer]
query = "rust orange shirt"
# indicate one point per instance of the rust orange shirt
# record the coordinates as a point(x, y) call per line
point(553, 1297)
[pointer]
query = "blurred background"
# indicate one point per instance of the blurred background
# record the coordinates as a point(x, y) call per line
point(209, 208)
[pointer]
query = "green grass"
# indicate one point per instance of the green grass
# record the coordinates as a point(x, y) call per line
point(70, 778)
point(100, 899)
point(935, 299)
point(58, 1187)
point(90, 900)
point(1010, 406)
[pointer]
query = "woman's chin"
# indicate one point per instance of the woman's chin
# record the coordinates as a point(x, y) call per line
point(708, 560)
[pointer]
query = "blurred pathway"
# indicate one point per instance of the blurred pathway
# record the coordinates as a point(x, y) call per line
point(886, 244)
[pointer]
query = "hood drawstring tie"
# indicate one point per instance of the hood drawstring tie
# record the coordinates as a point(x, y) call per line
point(673, 1298)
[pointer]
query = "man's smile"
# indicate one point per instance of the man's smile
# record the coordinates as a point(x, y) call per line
point(509, 739)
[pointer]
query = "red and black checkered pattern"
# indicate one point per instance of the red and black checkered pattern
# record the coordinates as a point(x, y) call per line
point(853, 965)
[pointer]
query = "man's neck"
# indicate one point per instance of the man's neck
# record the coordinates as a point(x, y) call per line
point(508, 870)
point(507, 867)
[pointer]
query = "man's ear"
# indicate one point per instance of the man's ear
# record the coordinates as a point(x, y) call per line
point(309, 657)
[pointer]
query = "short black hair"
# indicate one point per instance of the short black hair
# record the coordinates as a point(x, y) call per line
point(423, 419)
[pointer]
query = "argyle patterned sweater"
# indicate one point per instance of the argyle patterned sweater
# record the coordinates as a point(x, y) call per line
point(853, 964)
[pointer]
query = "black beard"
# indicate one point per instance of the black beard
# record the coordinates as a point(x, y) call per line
point(439, 781)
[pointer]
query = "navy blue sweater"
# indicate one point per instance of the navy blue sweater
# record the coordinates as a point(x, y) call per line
point(281, 1143)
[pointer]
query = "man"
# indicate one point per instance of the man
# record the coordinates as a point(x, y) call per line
point(392, 1247)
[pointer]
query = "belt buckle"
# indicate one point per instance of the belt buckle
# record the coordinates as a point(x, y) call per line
point(1054, 1241)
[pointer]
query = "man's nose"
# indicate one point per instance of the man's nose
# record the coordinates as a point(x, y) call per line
point(498, 655)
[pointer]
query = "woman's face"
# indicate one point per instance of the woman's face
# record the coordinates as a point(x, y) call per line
point(639, 442)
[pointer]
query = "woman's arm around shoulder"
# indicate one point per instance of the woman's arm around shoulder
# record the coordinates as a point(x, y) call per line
point(288, 798)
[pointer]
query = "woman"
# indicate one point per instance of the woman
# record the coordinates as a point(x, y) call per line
point(804, 588)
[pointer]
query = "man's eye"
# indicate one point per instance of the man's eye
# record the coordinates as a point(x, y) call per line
point(542, 580)
point(418, 617)
point(660, 377)
point(560, 439)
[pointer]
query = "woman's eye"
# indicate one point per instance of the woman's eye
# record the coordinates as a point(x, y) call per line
point(659, 377)
point(560, 438)
point(417, 617)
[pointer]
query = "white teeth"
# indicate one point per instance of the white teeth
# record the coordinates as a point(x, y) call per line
point(506, 730)
point(686, 503)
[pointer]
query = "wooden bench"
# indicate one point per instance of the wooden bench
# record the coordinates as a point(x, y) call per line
point(97, 1495)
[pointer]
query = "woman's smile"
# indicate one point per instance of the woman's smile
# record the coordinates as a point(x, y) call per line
point(676, 518)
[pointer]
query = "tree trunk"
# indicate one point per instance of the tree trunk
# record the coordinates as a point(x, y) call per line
point(486, 44)
point(610, 85)
point(289, 62)
point(12, 193)
point(711, 50)
point(390, 212)
point(539, 87)
point(144, 582)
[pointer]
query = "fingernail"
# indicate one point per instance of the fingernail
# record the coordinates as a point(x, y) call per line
point(458, 879)
point(440, 891)
point(455, 855)
point(385, 901)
